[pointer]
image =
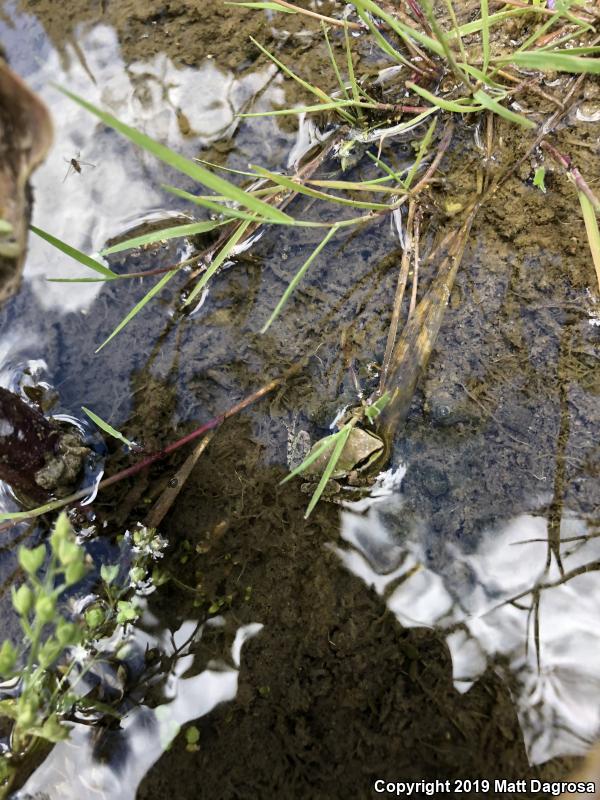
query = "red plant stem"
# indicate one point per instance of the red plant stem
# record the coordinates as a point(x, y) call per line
point(154, 457)
point(416, 9)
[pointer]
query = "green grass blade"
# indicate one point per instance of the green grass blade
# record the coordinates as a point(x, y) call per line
point(538, 32)
point(161, 235)
point(40, 510)
point(423, 146)
point(443, 40)
point(481, 76)
point(294, 186)
point(351, 75)
point(591, 227)
point(226, 211)
point(455, 30)
point(497, 108)
point(107, 428)
point(375, 409)
point(318, 107)
point(319, 449)
point(493, 19)
point(405, 32)
point(298, 277)
point(334, 65)
point(138, 307)
point(390, 174)
point(355, 186)
point(266, 5)
point(547, 61)
point(593, 50)
point(221, 256)
point(73, 252)
point(182, 164)
point(383, 43)
point(85, 280)
point(485, 33)
point(342, 438)
point(305, 84)
point(225, 169)
point(446, 105)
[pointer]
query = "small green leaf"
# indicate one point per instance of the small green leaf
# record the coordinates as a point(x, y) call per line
point(45, 607)
point(94, 617)
point(62, 531)
point(22, 599)
point(53, 730)
point(67, 633)
point(109, 572)
point(75, 572)
point(126, 612)
point(375, 409)
point(8, 657)
point(5, 227)
point(49, 652)
point(493, 105)
point(175, 232)
point(323, 445)
point(8, 708)
point(32, 560)
point(107, 428)
point(192, 735)
point(538, 179)
point(73, 252)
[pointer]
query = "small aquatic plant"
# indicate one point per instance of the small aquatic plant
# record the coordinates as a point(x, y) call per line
point(45, 676)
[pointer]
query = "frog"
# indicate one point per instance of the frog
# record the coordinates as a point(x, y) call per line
point(353, 470)
point(447, 403)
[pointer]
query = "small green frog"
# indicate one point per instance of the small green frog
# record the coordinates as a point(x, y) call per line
point(352, 471)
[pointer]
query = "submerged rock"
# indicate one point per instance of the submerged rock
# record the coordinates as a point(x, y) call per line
point(37, 458)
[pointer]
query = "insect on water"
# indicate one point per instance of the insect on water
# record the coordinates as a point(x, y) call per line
point(75, 165)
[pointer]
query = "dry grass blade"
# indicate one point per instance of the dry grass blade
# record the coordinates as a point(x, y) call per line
point(591, 227)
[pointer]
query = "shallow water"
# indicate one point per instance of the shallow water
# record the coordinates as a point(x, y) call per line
point(397, 638)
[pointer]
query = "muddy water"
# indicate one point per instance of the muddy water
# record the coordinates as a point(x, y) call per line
point(399, 639)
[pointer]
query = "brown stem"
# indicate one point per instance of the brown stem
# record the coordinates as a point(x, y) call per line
point(399, 296)
point(415, 282)
point(169, 494)
point(339, 23)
